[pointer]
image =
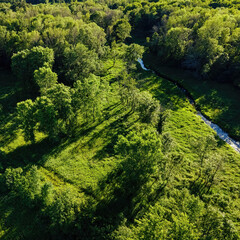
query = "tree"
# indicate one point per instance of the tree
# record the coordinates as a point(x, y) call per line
point(26, 185)
point(45, 78)
point(4, 38)
point(155, 225)
point(216, 225)
point(177, 42)
point(133, 53)
point(46, 116)
point(54, 38)
point(13, 178)
point(61, 98)
point(202, 147)
point(93, 37)
point(148, 108)
point(79, 62)
point(141, 149)
point(25, 62)
point(211, 41)
point(128, 182)
point(63, 209)
point(26, 119)
point(121, 30)
point(209, 163)
point(90, 96)
point(209, 174)
point(140, 102)
point(51, 113)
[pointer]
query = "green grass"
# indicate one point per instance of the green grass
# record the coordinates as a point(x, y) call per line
point(88, 159)
point(183, 124)
point(218, 101)
point(83, 162)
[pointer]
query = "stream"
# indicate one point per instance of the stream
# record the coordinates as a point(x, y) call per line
point(221, 134)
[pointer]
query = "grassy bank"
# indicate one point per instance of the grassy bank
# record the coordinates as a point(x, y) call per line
point(218, 101)
point(184, 125)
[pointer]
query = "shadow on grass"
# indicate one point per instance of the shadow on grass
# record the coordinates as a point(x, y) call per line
point(112, 130)
point(108, 132)
point(87, 127)
point(29, 154)
point(20, 221)
point(11, 91)
point(166, 92)
point(223, 111)
point(8, 129)
point(38, 153)
point(123, 194)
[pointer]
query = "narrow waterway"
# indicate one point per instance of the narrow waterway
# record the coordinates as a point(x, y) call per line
point(223, 135)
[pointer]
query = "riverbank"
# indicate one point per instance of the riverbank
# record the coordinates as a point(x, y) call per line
point(221, 134)
point(219, 102)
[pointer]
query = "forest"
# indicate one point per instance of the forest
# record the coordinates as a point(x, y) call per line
point(92, 146)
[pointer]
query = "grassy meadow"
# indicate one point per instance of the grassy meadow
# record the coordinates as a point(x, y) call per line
point(218, 101)
point(84, 162)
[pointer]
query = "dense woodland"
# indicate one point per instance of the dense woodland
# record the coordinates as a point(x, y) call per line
point(94, 147)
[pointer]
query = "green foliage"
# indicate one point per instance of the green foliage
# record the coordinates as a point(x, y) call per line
point(155, 226)
point(79, 62)
point(140, 101)
point(26, 186)
point(188, 221)
point(121, 168)
point(141, 149)
point(61, 97)
point(26, 119)
point(148, 108)
point(121, 30)
point(24, 63)
point(47, 194)
point(46, 116)
point(13, 178)
point(45, 78)
point(64, 209)
point(194, 35)
point(90, 96)
point(177, 41)
point(51, 114)
point(133, 53)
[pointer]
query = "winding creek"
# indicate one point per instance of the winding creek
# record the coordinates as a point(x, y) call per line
point(223, 135)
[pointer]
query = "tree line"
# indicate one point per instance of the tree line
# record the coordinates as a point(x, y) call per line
point(202, 36)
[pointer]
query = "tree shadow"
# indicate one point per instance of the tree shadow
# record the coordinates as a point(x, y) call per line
point(28, 155)
point(11, 92)
point(113, 129)
point(8, 129)
point(223, 112)
point(122, 194)
point(87, 127)
point(20, 222)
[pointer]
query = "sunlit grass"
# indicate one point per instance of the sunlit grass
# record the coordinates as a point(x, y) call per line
point(218, 101)
point(82, 162)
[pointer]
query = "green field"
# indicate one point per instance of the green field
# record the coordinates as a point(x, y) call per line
point(92, 147)
point(218, 101)
point(84, 162)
